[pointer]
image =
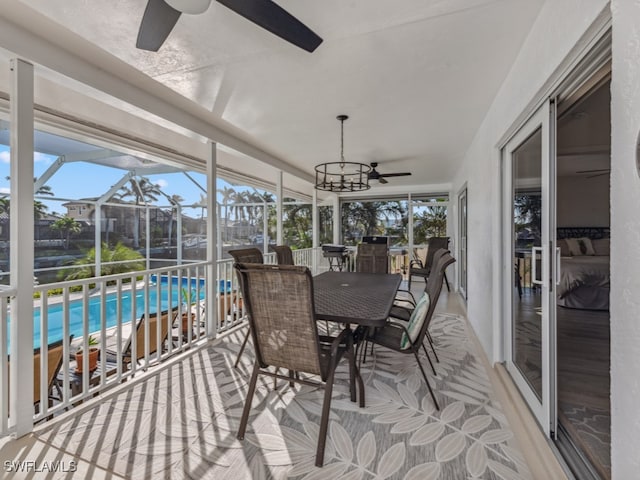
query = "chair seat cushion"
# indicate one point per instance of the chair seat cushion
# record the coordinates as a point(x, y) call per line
point(416, 321)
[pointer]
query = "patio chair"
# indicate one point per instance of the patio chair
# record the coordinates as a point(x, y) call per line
point(406, 337)
point(245, 255)
point(372, 258)
point(285, 335)
point(166, 319)
point(420, 268)
point(283, 254)
point(55, 352)
point(403, 312)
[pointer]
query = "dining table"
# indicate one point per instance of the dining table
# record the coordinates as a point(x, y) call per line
point(355, 298)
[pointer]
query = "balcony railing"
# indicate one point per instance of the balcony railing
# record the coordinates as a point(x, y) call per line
point(165, 306)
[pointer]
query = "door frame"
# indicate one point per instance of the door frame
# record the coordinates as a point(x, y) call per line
point(541, 408)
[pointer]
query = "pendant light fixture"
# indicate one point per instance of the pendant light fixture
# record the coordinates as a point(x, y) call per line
point(342, 176)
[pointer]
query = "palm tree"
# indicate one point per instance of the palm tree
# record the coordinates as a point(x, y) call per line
point(144, 192)
point(432, 222)
point(39, 208)
point(67, 226)
point(227, 196)
point(133, 261)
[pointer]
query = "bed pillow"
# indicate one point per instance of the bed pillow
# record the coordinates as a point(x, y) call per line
point(416, 321)
point(580, 246)
point(602, 246)
point(564, 248)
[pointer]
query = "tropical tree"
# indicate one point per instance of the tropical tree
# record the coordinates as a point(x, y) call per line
point(143, 191)
point(39, 208)
point(430, 222)
point(297, 225)
point(67, 226)
point(367, 218)
point(119, 259)
point(227, 196)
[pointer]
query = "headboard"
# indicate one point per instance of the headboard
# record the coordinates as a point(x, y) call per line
point(579, 232)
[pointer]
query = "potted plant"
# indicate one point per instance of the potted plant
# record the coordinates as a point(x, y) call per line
point(93, 355)
point(188, 300)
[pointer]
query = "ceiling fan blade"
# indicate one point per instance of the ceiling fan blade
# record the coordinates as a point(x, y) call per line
point(157, 22)
point(403, 174)
point(275, 19)
point(382, 180)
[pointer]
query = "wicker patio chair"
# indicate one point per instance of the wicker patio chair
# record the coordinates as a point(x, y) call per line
point(283, 254)
point(372, 258)
point(422, 269)
point(55, 352)
point(165, 320)
point(285, 336)
point(245, 255)
point(396, 335)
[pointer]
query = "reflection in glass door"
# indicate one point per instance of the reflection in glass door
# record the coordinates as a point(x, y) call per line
point(462, 255)
point(526, 163)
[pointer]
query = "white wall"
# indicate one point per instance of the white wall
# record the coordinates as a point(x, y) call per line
point(583, 201)
point(625, 247)
point(558, 28)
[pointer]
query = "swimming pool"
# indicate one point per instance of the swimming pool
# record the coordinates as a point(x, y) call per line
point(55, 311)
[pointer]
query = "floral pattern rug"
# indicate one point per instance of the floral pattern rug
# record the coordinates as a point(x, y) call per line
point(181, 423)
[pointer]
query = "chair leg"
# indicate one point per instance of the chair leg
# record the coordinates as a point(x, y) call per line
point(292, 375)
point(429, 358)
point(435, 354)
point(324, 420)
point(446, 281)
point(247, 402)
point(433, 397)
point(352, 373)
point(244, 344)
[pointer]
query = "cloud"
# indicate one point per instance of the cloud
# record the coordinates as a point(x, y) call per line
point(162, 183)
point(5, 156)
point(42, 157)
point(5, 190)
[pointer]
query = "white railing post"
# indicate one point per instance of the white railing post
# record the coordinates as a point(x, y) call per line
point(21, 246)
point(98, 238)
point(279, 199)
point(314, 230)
point(212, 257)
point(336, 219)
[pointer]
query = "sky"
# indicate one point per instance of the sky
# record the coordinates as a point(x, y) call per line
point(79, 180)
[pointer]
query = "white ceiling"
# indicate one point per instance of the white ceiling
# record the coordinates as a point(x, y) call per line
point(416, 77)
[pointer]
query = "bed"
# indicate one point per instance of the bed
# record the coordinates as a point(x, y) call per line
point(584, 273)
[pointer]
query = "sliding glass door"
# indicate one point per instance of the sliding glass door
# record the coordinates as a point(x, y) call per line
point(527, 220)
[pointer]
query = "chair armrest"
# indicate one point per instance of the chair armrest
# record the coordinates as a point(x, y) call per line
point(416, 263)
point(410, 299)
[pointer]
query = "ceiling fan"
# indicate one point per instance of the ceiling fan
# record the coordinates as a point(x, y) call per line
point(596, 172)
point(160, 16)
point(381, 177)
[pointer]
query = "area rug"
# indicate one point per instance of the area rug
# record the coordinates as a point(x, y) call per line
point(590, 428)
point(181, 423)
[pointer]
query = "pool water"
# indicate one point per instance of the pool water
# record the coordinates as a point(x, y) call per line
point(128, 306)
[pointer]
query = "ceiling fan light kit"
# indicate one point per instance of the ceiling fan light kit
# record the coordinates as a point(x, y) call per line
point(342, 176)
point(160, 16)
point(192, 7)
